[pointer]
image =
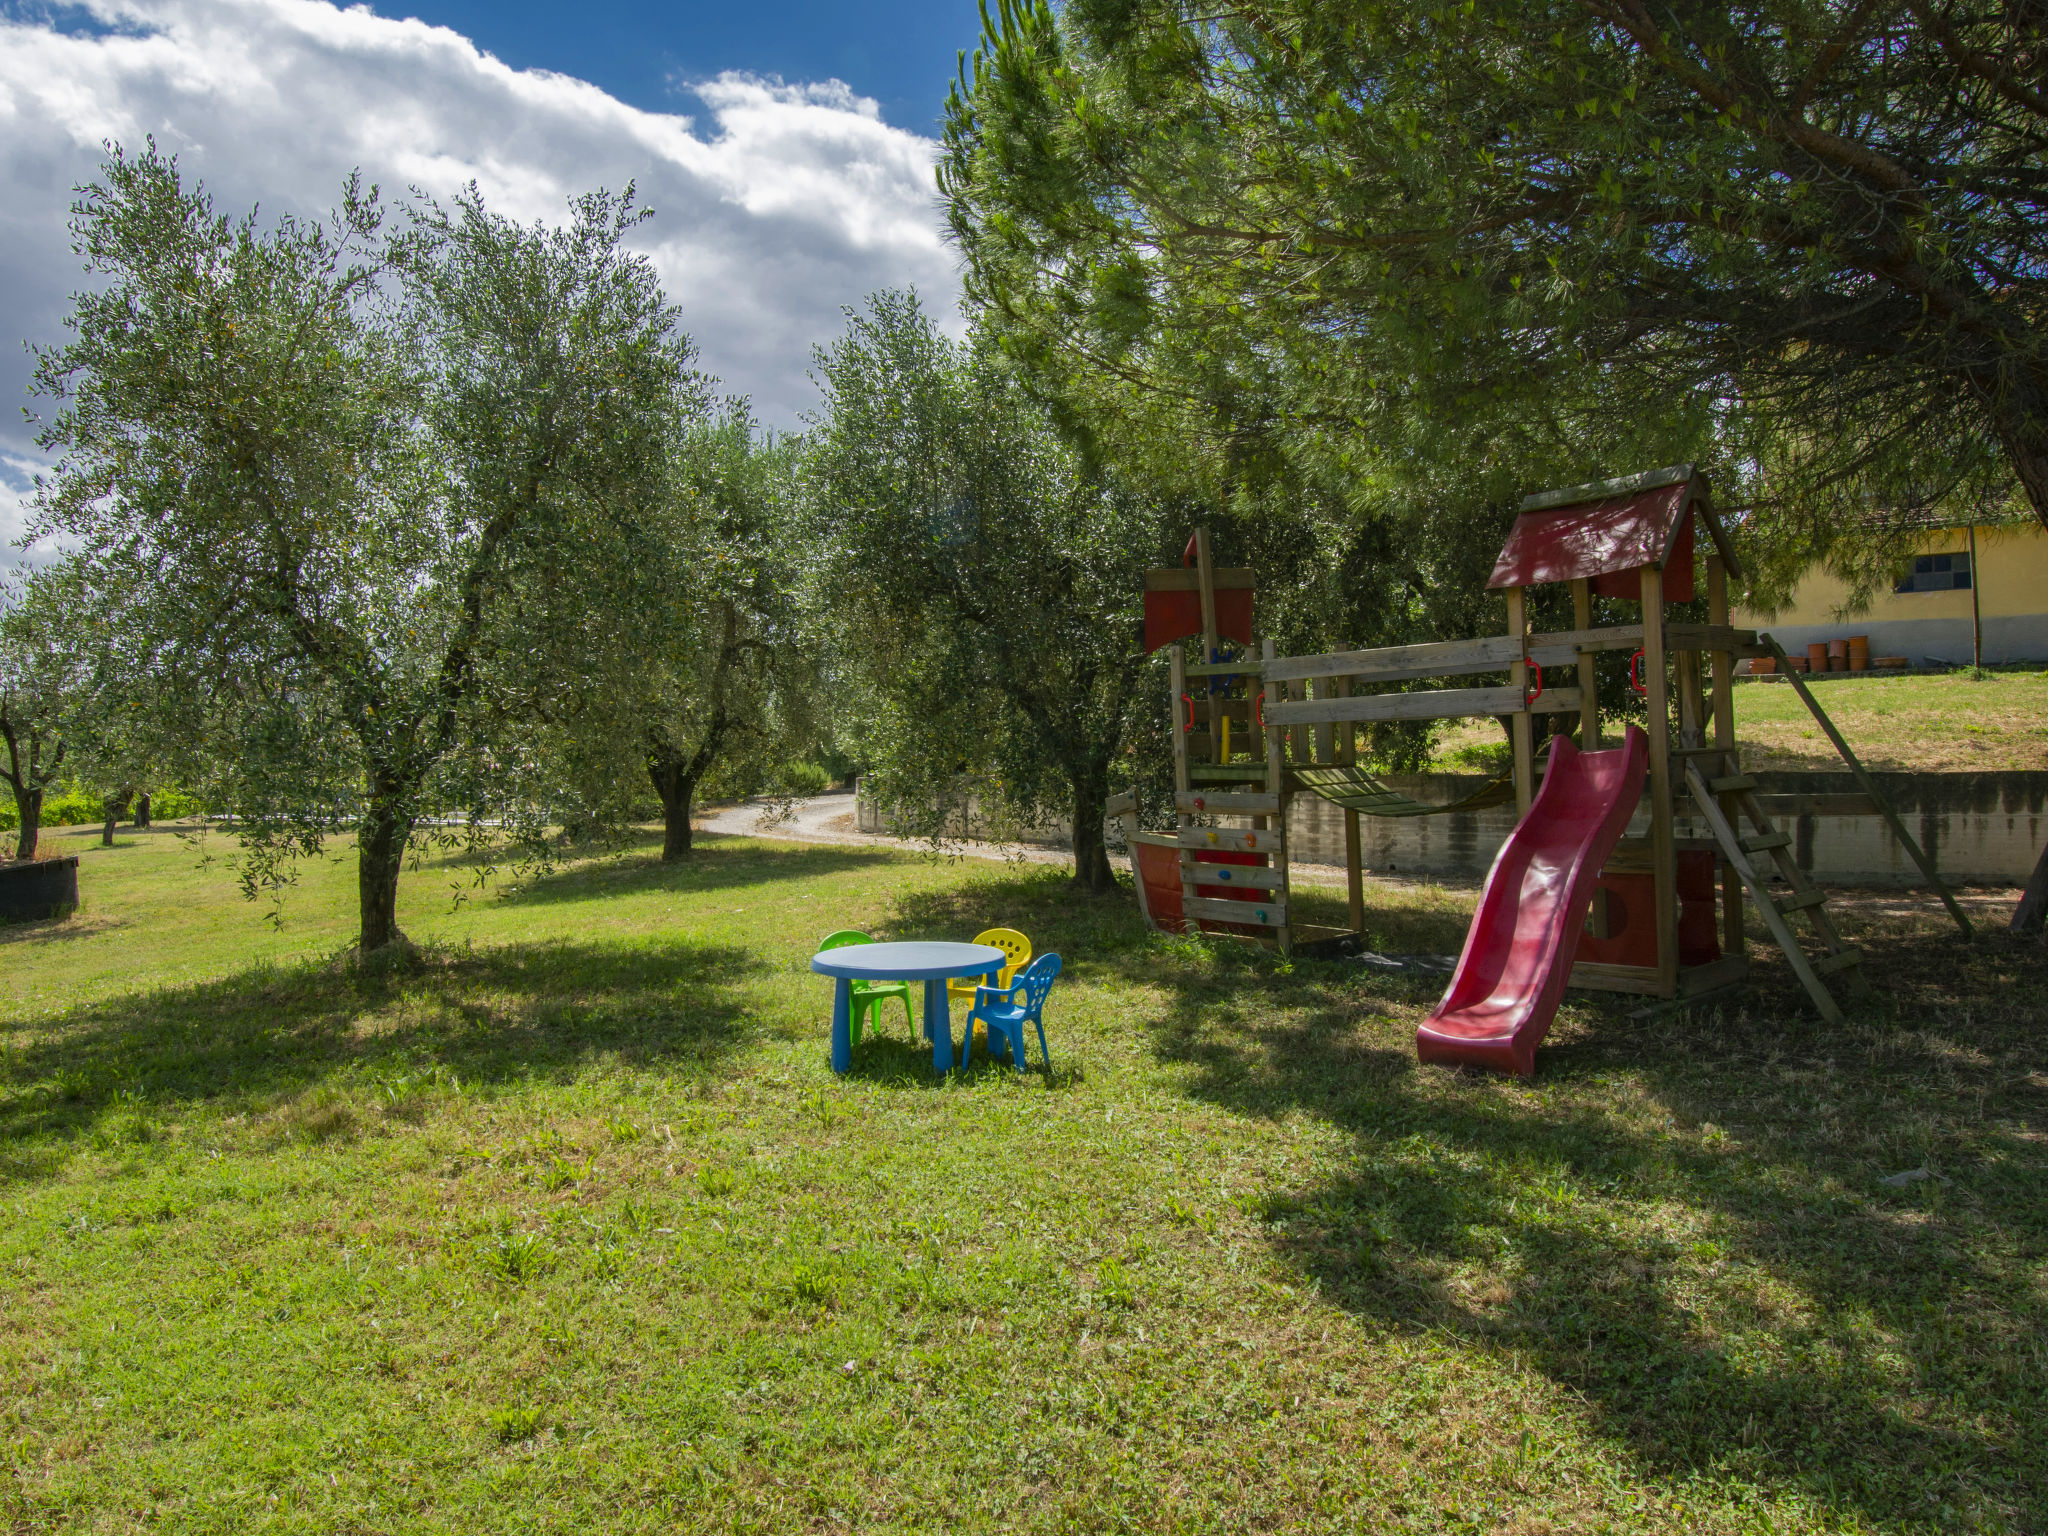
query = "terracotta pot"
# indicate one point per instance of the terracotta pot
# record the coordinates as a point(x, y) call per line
point(1859, 645)
point(1859, 661)
point(1800, 663)
point(1763, 666)
point(1892, 661)
point(1817, 656)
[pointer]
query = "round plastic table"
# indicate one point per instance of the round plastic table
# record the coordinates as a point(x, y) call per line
point(933, 963)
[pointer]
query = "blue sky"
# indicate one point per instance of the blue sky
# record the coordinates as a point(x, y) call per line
point(902, 54)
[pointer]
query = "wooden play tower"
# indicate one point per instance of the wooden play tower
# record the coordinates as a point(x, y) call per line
point(1252, 729)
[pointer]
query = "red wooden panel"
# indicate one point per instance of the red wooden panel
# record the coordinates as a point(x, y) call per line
point(1602, 538)
point(1171, 616)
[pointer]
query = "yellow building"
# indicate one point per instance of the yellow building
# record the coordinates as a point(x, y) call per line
point(1927, 619)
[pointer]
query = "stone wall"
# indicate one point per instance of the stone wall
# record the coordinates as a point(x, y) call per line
point(1980, 828)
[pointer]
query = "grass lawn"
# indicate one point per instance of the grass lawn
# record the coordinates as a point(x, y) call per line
point(1922, 724)
point(569, 1227)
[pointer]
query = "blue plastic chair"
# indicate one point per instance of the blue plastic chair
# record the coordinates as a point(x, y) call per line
point(1004, 1011)
point(868, 996)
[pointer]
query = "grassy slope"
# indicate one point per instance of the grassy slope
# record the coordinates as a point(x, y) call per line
point(571, 1228)
point(1949, 724)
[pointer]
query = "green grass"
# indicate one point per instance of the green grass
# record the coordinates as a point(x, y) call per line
point(569, 1227)
point(1954, 723)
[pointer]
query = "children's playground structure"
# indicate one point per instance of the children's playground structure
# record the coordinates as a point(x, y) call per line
point(1574, 898)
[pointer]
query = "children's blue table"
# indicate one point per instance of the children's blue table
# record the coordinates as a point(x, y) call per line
point(933, 963)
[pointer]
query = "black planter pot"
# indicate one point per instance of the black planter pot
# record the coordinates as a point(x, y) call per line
point(40, 889)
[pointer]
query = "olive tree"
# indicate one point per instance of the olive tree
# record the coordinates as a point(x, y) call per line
point(313, 456)
point(44, 682)
point(980, 582)
point(670, 653)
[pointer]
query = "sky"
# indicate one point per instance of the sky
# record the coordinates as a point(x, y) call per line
point(787, 150)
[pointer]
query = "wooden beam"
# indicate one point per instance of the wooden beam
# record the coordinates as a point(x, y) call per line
point(1354, 849)
point(1255, 914)
point(1223, 803)
point(1433, 704)
point(1521, 729)
point(1589, 683)
point(1251, 877)
point(1276, 780)
point(1732, 942)
point(1663, 857)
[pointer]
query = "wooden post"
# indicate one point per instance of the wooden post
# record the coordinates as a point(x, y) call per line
point(1732, 942)
point(1663, 855)
point(1178, 671)
point(1518, 677)
point(1205, 580)
point(1276, 785)
point(1589, 684)
point(1354, 851)
point(1296, 737)
point(1976, 608)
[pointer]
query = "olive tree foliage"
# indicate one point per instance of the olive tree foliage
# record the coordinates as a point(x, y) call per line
point(307, 461)
point(669, 653)
point(980, 589)
point(1804, 239)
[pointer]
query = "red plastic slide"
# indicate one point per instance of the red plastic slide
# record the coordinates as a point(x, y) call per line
point(1526, 931)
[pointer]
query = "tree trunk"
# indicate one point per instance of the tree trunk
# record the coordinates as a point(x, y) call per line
point(380, 854)
point(2031, 916)
point(1091, 859)
point(142, 809)
point(30, 804)
point(116, 808)
point(676, 785)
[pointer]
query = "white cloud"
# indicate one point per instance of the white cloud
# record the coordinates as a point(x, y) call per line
point(784, 203)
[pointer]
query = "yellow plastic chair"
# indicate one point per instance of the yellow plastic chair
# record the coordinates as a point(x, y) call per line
point(960, 990)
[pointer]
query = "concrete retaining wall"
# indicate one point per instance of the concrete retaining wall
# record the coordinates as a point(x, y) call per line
point(1980, 828)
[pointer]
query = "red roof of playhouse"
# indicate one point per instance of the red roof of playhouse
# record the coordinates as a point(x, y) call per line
point(1609, 531)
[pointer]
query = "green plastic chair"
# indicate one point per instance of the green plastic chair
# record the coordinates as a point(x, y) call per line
point(868, 996)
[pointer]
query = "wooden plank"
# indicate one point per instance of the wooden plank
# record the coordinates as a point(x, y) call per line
point(1433, 704)
point(1607, 490)
point(1156, 839)
point(1187, 578)
point(1521, 729)
point(1706, 637)
point(1569, 642)
point(1258, 914)
point(1354, 848)
point(1392, 663)
point(1663, 857)
point(1276, 776)
point(1635, 855)
point(1596, 976)
point(1250, 877)
point(1869, 785)
point(1225, 803)
point(1226, 669)
point(1232, 839)
point(1227, 773)
point(1732, 941)
point(1582, 658)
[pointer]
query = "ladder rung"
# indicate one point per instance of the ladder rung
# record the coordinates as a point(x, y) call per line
point(1731, 784)
point(1799, 901)
point(1828, 965)
point(1763, 842)
point(1702, 751)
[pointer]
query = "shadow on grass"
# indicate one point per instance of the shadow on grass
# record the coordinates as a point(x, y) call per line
point(257, 1039)
point(715, 863)
point(1681, 1222)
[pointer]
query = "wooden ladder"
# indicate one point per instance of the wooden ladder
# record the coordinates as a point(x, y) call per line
point(1804, 899)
